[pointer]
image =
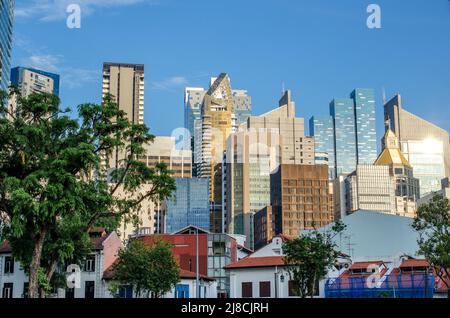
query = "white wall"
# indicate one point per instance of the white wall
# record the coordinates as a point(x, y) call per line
point(257, 275)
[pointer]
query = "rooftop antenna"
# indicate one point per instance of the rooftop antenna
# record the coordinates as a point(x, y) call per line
point(384, 96)
point(282, 88)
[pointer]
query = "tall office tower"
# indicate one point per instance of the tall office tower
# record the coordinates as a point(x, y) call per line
point(296, 148)
point(152, 213)
point(216, 127)
point(354, 132)
point(189, 205)
point(193, 101)
point(425, 146)
point(242, 106)
point(193, 105)
point(6, 25)
point(125, 82)
point(322, 130)
point(30, 80)
point(300, 198)
point(370, 188)
point(250, 158)
point(366, 136)
point(405, 185)
point(342, 111)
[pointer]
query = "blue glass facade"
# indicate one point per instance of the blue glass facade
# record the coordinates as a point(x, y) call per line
point(342, 111)
point(17, 75)
point(366, 136)
point(189, 205)
point(6, 24)
point(322, 130)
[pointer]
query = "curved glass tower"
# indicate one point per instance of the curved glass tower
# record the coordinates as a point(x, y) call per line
point(6, 22)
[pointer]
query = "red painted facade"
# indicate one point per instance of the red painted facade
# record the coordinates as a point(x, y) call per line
point(184, 250)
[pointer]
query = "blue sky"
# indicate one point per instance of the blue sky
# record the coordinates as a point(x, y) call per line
point(320, 49)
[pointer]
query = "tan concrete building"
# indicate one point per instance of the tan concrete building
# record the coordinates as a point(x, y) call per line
point(300, 197)
point(151, 216)
point(125, 82)
point(296, 148)
point(405, 186)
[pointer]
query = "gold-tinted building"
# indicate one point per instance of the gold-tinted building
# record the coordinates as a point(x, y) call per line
point(217, 124)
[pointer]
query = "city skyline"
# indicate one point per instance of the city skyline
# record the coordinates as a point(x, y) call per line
point(302, 67)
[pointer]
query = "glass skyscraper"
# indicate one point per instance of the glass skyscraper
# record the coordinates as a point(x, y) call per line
point(342, 111)
point(347, 138)
point(322, 130)
point(6, 24)
point(189, 205)
point(366, 136)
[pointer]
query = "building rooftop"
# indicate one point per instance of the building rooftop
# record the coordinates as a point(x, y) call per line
point(250, 262)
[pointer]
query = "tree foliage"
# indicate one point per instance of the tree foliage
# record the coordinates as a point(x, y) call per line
point(147, 269)
point(309, 257)
point(56, 182)
point(433, 225)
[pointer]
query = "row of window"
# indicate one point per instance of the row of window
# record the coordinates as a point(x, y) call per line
point(89, 290)
point(88, 266)
point(264, 289)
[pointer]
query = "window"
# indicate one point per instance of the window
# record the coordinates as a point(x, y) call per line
point(7, 290)
point(247, 290)
point(126, 291)
point(70, 293)
point(89, 289)
point(9, 265)
point(89, 265)
point(25, 290)
point(264, 289)
point(218, 248)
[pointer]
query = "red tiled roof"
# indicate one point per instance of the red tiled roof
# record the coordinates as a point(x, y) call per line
point(249, 262)
point(109, 274)
point(415, 263)
point(365, 265)
point(5, 247)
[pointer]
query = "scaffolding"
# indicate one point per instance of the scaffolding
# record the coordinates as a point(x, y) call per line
point(389, 286)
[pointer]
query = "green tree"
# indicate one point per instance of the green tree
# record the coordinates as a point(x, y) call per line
point(56, 182)
point(147, 269)
point(309, 257)
point(433, 225)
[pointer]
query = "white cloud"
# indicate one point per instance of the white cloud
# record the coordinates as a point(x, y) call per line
point(169, 83)
point(53, 10)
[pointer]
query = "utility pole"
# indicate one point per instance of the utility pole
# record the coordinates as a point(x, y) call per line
point(197, 267)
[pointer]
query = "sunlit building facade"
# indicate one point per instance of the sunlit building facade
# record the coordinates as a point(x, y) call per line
point(425, 146)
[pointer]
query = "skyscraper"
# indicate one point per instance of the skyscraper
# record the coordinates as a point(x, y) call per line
point(300, 198)
point(250, 158)
point(125, 82)
point(406, 187)
point(193, 107)
point(6, 25)
point(296, 147)
point(189, 205)
point(353, 133)
point(216, 123)
point(342, 111)
point(366, 136)
point(322, 130)
point(425, 146)
point(31, 80)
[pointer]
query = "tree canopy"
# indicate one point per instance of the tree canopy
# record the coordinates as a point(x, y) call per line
point(309, 257)
point(147, 269)
point(433, 225)
point(56, 181)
